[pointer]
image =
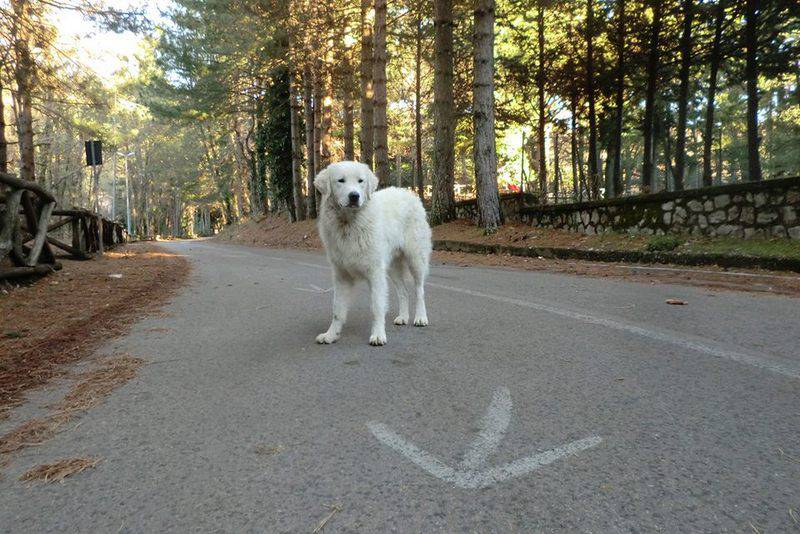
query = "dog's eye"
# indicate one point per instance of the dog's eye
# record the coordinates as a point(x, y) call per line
point(360, 180)
point(341, 180)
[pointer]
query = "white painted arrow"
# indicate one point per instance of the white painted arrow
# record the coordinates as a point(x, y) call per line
point(470, 473)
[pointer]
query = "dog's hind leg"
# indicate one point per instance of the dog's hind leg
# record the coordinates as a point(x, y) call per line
point(401, 278)
point(342, 296)
point(419, 271)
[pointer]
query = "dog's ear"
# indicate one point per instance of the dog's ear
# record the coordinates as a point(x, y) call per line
point(322, 182)
point(372, 181)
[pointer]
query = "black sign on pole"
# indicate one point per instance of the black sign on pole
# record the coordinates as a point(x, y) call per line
point(94, 153)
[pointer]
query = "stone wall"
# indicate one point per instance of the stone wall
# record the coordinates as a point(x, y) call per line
point(764, 209)
point(510, 205)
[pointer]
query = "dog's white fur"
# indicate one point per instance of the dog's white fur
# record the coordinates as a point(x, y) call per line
point(368, 235)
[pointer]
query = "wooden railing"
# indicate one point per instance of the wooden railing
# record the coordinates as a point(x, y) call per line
point(26, 248)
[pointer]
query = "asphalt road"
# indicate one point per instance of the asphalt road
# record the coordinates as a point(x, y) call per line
point(534, 402)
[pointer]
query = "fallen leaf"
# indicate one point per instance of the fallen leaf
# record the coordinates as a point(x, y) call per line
point(676, 302)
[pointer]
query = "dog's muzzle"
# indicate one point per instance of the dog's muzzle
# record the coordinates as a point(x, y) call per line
point(352, 200)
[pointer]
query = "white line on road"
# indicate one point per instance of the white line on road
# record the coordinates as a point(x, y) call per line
point(493, 429)
point(706, 271)
point(680, 340)
point(471, 479)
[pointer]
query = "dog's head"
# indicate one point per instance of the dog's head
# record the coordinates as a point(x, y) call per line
point(349, 184)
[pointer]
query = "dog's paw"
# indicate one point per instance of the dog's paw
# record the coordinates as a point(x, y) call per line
point(421, 321)
point(401, 320)
point(377, 340)
point(325, 338)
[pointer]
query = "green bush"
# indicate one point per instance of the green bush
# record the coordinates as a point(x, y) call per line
point(663, 243)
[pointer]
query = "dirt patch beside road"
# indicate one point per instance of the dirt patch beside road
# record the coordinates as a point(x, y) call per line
point(63, 317)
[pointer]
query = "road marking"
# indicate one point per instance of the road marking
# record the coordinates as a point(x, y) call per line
point(314, 289)
point(680, 340)
point(706, 271)
point(469, 474)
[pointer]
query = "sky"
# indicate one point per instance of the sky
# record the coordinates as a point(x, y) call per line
point(102, 51)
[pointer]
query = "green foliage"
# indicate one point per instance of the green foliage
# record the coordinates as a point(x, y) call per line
point(663, 243)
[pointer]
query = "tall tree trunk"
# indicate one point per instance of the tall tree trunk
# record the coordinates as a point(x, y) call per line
point(683, 93)
point(540, 78)
point(3, 140)
point(485, 155)
point(367, 135)
point(556, 162)
point(379, 80)
point(574, 141)
point(650, 97)
point(308, 108)
point(708, 134)
point(620, 99)
point(23, 74)
point(318, 163)
point(751, 74)
point(594, 178)
point(443, 201)
point(295, 110)
point(326, 86)
point(420, 178)
point(349, 129)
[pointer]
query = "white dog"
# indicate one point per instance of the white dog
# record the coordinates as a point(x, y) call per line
point(368, 235)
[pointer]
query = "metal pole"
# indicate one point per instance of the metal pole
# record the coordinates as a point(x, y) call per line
point(127, 198)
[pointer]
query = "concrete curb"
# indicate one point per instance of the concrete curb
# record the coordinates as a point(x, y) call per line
point(628, 256)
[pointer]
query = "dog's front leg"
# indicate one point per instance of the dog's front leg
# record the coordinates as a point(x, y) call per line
point(378, 294)
point(342, 295)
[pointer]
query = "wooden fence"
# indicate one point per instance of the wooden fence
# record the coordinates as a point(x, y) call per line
point(26, 248)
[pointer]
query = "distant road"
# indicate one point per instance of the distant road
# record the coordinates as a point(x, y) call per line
point(535, 402)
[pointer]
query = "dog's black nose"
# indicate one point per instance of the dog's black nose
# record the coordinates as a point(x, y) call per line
point(353, 197)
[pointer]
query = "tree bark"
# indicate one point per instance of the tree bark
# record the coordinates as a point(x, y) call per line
point(443, 200)
point(23, 74)
point(379, 80)
point(751, 75)
point(419, 177)
point(349, 128)
point(708, 134)
point(620, 99)
point(556, 163)
point(650, 97)
point(574, 142)
point(367, 135)
point(3, 140)
point(295, 110)
point(540, 78)
point(594, 178)
point(485, 155)
point(308, 108)
point(683, 93)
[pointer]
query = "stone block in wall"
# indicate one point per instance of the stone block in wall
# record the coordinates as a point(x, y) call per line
point(759, 199)
point(794, 233)
point(789, 214)
point(766, 217)
point(668, 206)
point(734, 212)
point(716, 217)
point(708, 206)
point(695, 206)
point(778, 231)
point(702, 221)
point(722, 201)
point(748, 215)
point(730, 230)
point(793, 197)
point(667, 218)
